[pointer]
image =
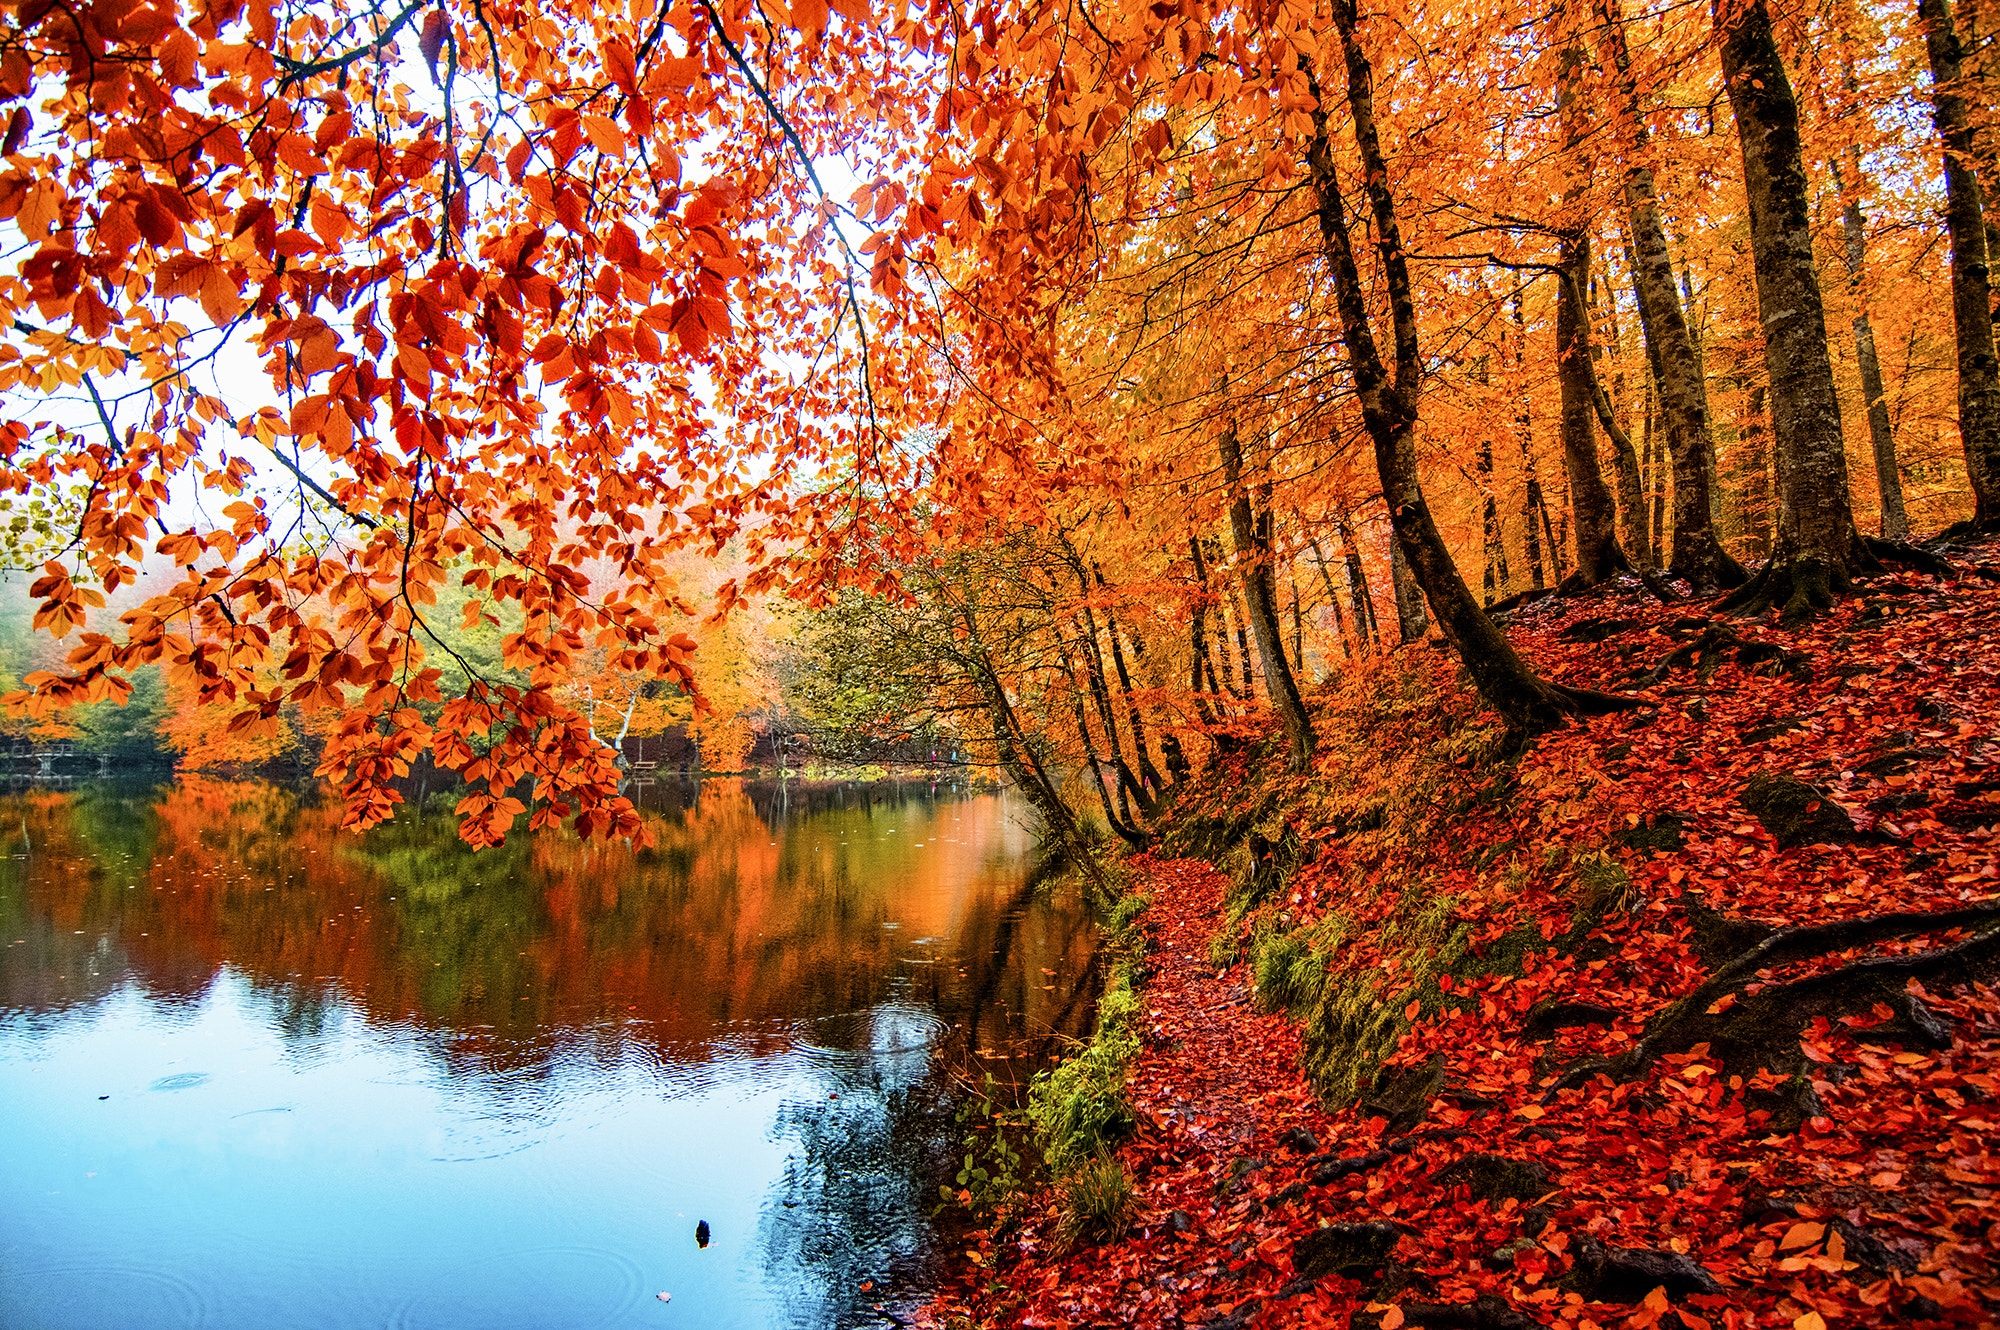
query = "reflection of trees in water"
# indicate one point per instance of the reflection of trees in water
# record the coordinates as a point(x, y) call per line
point(757, 910)
point(853, 1205)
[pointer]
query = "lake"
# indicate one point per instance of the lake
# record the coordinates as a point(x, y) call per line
point(258, 1072)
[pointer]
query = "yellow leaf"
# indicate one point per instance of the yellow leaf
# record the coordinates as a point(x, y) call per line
point(1530, 1111)
point(1810, 1321)
point(1392, 1318)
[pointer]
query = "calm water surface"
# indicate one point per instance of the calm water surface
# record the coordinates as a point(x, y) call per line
point(255, 1072)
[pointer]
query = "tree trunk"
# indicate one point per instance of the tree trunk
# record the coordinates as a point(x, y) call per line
point(1888, 476)
point(1253, 556)
point(1625, 457)
point(1598, 556)
point(1333, 599)
point(1971, 289)
point(1358, 593)
point(1298, 625)
point(1204, 689)
point(1147, 771)
point(1815, 548)
point(1243, 644)
point(1496, 543)
point(1697, 554)
point(1389, 405)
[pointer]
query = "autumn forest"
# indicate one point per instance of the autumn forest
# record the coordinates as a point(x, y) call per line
point(1470, 531)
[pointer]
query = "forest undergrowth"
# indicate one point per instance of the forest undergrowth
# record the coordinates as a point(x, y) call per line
point(1681, 1016)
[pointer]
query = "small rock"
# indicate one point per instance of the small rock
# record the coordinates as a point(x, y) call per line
point(1494, 1178)
point(1353, 1250)
point(1179, 1222)
point(1791, 1104)
point(1502, 1258)
point(1761, 1207)
point(701, 1234)
point(1766, 733)
point(1535, 1220)
point(1871, 1253)
point(664, 1297)
point(1599, 629)
point(1796, 813)
point(1628, 1274)
point(1664, 831)
point(1552, 1014)
point(1301, 1140)
point(1403, 1095)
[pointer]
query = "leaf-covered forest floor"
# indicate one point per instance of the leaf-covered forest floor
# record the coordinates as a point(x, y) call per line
point(1473, 1100)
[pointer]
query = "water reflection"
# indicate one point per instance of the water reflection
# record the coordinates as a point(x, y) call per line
point(259, 1072)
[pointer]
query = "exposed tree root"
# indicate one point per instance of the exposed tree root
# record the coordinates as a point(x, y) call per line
point(1590, 702)
point(1760, 1030)
point(1658, 585)
point(1804, 587)
point(1906, 555)
point(1517, 600)
point(1800, 589)
point(1716, 641)
point(1960, 533)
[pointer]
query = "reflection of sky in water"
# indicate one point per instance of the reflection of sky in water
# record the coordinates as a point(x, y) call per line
point(262, 1153)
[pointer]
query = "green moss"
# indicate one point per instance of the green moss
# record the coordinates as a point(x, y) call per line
point(1358, 1020)
point(1078, 1108)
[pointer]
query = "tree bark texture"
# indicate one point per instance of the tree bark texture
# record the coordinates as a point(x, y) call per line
point(1626, 467)
point(1697, 555)
point(1598, 556)
point(1971, 284)
point(1254, 558)
point(1888, 476)
point(1815, 547)
point(1358, 593)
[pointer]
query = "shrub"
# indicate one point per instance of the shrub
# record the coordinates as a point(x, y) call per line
point(1289, 970)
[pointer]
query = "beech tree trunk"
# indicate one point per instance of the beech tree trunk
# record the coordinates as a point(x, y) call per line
point(1333, 599)
point(1389, 404)
point(1971, 285)
point(1626, 467)
point(1199, 659)
point(1134, 718)
point(1697, 554)
point(1358, 592)
point(1815, 547)
point(1598, 556)
point(1496, 543)
point(1888, 476)
point(1254, 557)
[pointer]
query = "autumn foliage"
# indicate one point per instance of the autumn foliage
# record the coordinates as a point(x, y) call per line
point(1444, 996)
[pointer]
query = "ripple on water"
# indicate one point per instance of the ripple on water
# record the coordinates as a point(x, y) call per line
point(185, 1080)
point(567, 1286)
point(98, 1297)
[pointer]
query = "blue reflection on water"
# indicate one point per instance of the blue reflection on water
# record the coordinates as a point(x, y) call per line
point(239, 1153)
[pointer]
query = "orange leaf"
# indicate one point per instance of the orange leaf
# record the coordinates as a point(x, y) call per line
point(1802, 1234)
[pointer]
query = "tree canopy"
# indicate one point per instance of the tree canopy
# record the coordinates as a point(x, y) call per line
point(1193, 325)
